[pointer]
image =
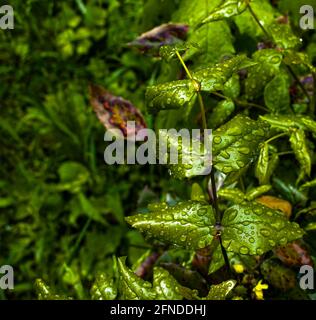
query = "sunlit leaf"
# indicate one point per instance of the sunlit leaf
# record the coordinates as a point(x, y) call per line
point(188, 224)
point(103, 288)
point(220, 291)
point(283, 36)
point(252, 229)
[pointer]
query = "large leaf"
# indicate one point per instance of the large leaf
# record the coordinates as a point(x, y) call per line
point(253, 229)
point(186, 156)
point(131, 287)
point(227, 9)
point(188, 224)
point(171, 95)
point(260, 75)
point(236, 143)
point(220, 113)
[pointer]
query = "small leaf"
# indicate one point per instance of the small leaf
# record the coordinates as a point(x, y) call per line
point(226, 10)
point(197, 193)
point(276, 204)
point(232, 87)
point(165, 285)
point(295, 58)
point(294, 254)
point(220, 113)
point(220, 291)
point(165, 34)
point(253, 229)
point(170, 52)
point(235, 195)
point(283, 36)
point(277, 275)
point(256, 192)
point(309, 184)
point(44, 292)
point(299, 146)
point(277, 94)
point(262, 165)
point(103, 288)
point(188, 224)
point(114, 112)
point(171, 95)
point(131, 287)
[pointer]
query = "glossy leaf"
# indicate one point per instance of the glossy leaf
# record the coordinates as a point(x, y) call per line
point(226, 10)
point(165, 285)
point(236, 143)
point(130, 286)
point(232, 87)
point(234, 195)
point(103, 288)
point(260, 75)
point(186, 156)
point(299, 146)
point(171, 95)
point(220, 291)
point(170, 52)
point(220, 113)
point(188, 224)
point(256, 192)
point(283, 36)
point(114, 112)
point(44, 292)
point(262, 165)
point(294, 58)
point(165, 34)
point(197, 193)
point(277, 94)
point(252, 229)
point(214, 78)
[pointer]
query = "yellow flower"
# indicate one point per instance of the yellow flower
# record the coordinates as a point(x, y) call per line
point(239, 268)
point(258, 290)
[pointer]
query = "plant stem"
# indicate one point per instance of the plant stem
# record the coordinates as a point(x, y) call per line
point(198, 92)
point(224, 253)
point(285, 153)
point(81, 7)
point(214, 198)
point(276, 137)
point(258, 21)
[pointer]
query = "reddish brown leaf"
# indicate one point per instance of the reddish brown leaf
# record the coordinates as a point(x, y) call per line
point(114, 112)
point(165, 34)
point(294, 254)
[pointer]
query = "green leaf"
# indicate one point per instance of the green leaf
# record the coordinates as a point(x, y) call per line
point(214, 78)
point(294, 58)
point(188, 224)
point(262, 165)
point(220, 291)
point(232, 87)
point(186, 156)
point(277, 94)
point(131, 287)
point(220, 113)
point(253, 229)
point(299, 146)
point(257, 192)
point(234, 195)
point(169, 52)
point(165, 285)
point(171, 95)
point(103, 288)
point(309, 184)
point(285, 122)
point(197, 193)
point(236, 143)
point(283, 36)
point(260, 75)
point(44, 292)
point(226, 10)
